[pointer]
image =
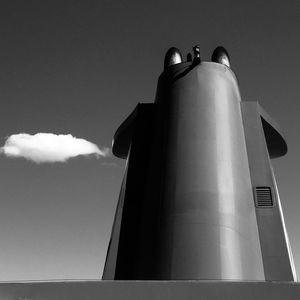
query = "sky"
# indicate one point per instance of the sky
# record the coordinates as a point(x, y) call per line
point(79, 68)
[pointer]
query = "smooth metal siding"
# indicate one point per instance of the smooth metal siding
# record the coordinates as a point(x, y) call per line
point(208, 222)
point(277, 261)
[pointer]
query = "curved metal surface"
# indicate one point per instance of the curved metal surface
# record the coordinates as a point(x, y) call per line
point(190, 212)
point(123, 136)
point(172, 57)
point(189, 57)
point(275, 139)
point(221, 56)
point(208, 226)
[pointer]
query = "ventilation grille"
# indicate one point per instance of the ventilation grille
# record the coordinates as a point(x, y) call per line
point(264, 197)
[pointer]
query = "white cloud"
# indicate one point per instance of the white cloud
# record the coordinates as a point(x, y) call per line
point(49, 147)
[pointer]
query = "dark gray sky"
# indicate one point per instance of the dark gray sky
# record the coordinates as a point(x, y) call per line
point(80, 67)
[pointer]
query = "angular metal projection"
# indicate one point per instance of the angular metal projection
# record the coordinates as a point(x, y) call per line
point(199, 199)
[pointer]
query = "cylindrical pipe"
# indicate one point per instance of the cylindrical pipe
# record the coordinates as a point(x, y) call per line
point(208, 227)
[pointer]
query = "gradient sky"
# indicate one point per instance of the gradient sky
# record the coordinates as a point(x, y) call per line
point(80, 67)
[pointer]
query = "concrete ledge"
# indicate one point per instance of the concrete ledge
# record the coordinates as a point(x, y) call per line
point(146, 290)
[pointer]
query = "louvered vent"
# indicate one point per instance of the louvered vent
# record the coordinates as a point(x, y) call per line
point(263, 195)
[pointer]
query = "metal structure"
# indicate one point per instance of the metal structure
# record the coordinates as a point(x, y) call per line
point(199, 198)
point(198, 201)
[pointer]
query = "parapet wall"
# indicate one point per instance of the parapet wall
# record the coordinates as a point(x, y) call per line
point(149, 290)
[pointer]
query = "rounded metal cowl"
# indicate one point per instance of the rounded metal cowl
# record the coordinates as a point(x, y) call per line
point(221, 56)
point(172, 57)
point(189, 57)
